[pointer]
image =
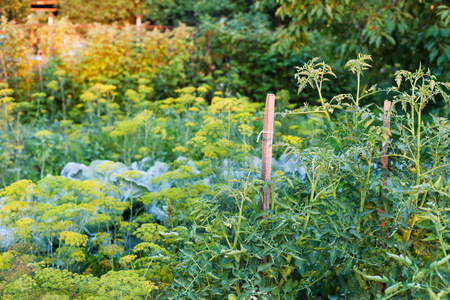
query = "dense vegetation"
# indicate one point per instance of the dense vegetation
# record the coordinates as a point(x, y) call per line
point(130, 161)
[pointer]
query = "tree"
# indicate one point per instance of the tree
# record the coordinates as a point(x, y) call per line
point(409, 32)
point(227, 8)
point(102, 11)
point(170, 12)
point(15, 9)
point(190, 12)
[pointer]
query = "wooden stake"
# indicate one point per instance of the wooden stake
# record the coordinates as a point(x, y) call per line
point(50, 34)
point(192, 53)
point(138, 25)
point(384, 161)
point(138, 20)
point(385, 148)
point(50, 19)
point(208, 52)
point(266, 162)
point(387, 126)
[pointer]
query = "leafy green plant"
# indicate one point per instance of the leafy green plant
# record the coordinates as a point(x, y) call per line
point(324, 232)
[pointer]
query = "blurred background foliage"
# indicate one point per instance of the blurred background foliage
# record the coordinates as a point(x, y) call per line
point(243, 44)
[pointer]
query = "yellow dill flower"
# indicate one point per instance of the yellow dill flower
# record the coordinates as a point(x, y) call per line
point(127, 259)
point(245, 129)
point(79, 256)
point(43, 134)
point(111, 250)
point(244, 148)
point(65, 123)
point(279, 173)
point(23, 228)
point(292, 140)
point(6, 99)
point(150, 286)
point(18, 191)
point(16, 207)
point(211, 154)
point(138, 248)
point(88, 97)
point(143, 150)
point(71, 238)
point(133, 96)
point(130, 174)
point(143, 89)
point(202, 89)
point(5, 259)
point(180, 149)
point(150, 232)
point(186, 90)
point(101, 238)
point(6, 92)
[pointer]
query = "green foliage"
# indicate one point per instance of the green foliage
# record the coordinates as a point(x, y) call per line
point(99, 225)
point(102, 11)
point(337, 231)
point(405, 32)
point(240, 57)
point(159, 12)
point(171, 12)
point(226, 8)
point(15, 9)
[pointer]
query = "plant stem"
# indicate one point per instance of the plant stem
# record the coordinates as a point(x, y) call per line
point(311, 199)
point(418, 150)
point(63, 100)
point(357, 89)
point(319, 88)
point(364, 191)
point(239, 222)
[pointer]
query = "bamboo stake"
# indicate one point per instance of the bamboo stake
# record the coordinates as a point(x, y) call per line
point(50, 19)
point(385, 148)
point(138, 24)
point(384, 161)
point(50, 34)
point(138, 20)
point(266, 162)
point(208, 52)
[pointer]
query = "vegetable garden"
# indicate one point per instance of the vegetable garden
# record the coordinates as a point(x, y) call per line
point(131, 168)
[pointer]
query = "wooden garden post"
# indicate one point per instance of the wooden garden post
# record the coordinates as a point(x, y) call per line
point(384, 161)
point(385, 147)
point(208, 51)
point(266, 162)
point(138, 25)
point(138, 20)
point(386, 133)
point(191, 53)
point(50, 19)
point(50, 34)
